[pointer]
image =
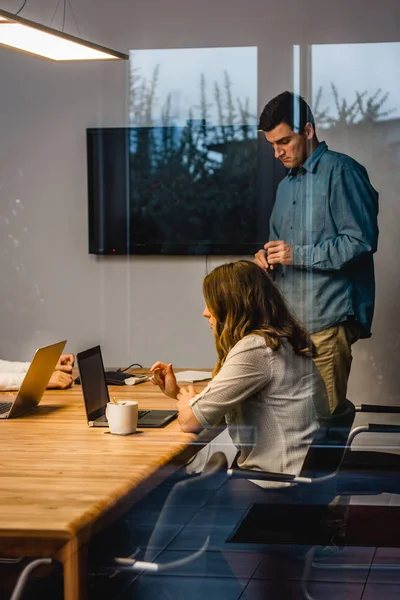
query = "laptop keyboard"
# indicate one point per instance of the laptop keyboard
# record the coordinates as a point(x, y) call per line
point(5, 407)
point(142, 413)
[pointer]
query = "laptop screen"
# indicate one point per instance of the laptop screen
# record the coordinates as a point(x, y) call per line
point(95, 392)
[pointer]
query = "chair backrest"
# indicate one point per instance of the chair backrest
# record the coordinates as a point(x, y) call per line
point(212, 477)
point(330, 443)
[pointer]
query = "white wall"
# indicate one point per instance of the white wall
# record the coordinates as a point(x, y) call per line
point(139, 308)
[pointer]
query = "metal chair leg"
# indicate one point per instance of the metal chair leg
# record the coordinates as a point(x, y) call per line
point(24, 576)
point(306, 573)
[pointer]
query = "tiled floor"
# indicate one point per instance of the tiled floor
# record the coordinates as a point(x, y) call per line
point(243, 572)
point(225, 571)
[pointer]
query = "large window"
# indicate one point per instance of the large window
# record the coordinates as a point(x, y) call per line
point(168, 87)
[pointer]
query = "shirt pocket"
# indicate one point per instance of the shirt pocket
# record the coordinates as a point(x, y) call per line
point(314, 213)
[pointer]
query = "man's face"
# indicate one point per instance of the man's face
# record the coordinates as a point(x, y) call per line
point(291, 148)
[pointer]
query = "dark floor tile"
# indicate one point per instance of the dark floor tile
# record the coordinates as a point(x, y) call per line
point(240, 565)
point(184, 588)
point(387, 554)
point(352, 565)
point(150, 515)
point(386, 566)
point(192, 538)
point(138, 530)
point(143, 539)
point(379, 591)
point(269, 590)
point(335, 569)
point(216, 515)
point(374, 500)
point(196, 493)
point(104, 586)
point(237, 494)
point(197, 498)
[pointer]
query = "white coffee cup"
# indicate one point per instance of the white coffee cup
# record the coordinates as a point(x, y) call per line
point(122, 417)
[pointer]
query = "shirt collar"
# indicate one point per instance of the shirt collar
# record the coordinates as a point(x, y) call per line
point(312, 161)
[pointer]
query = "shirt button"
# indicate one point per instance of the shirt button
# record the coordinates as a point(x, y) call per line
point(282, 274)
point(294, 202)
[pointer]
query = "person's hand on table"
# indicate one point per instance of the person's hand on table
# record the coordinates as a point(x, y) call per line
point(65, 363)
point(164, 377)
point(60, 380)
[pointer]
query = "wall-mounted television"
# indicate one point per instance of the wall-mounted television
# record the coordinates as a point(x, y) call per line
point(196, 189)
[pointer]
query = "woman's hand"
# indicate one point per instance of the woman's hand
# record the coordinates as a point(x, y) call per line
point(185, 395)
point(164, 377)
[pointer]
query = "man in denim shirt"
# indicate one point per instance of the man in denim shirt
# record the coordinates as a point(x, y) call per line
point(323, 233)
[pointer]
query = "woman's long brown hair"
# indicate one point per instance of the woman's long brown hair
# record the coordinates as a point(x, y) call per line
point(243, 299)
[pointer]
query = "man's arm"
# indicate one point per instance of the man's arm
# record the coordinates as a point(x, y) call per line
point(12, 374)
point(354, 206)
point(12, 366)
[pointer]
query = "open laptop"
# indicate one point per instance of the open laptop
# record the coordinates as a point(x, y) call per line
point(35, 382)
point(95, 393)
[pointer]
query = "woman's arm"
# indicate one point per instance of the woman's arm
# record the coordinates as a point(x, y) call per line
point(246, 370)
point(186, 417)
point(164, 377)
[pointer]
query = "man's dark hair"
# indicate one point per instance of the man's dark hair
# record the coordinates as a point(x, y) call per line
point(286, 108)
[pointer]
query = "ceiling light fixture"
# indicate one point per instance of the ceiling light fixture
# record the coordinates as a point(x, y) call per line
point(33, 38)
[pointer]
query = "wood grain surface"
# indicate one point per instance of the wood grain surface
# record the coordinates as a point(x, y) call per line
point(61, 481)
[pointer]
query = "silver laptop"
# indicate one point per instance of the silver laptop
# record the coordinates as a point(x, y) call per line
point(35, 382)
point(95, 394)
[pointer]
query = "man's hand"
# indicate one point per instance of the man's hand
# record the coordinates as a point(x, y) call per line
point(65, 363)
point(279, 252)
point(164, 377)
point(60, 380)
point(261, 259)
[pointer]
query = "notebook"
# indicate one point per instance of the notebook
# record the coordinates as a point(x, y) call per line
point(96, 397)
point(35, 382)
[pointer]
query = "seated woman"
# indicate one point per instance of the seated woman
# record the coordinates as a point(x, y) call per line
point(12, 373)
point(265, 384)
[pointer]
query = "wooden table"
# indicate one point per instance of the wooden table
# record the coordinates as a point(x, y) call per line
point(61, 481)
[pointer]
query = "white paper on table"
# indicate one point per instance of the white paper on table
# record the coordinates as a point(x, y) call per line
point(192, 376)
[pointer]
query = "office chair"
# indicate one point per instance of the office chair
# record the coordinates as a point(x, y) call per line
point(323, 457)
point(318, 483)
point(367, 473)
point(213, 476)
point(330, 468)
point(25, 574)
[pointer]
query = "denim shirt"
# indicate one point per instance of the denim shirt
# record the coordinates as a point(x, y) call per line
point(327, 210)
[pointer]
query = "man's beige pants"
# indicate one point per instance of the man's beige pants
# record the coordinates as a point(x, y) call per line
point(333, 359)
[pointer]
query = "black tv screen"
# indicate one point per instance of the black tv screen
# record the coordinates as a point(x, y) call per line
point(180, 190)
